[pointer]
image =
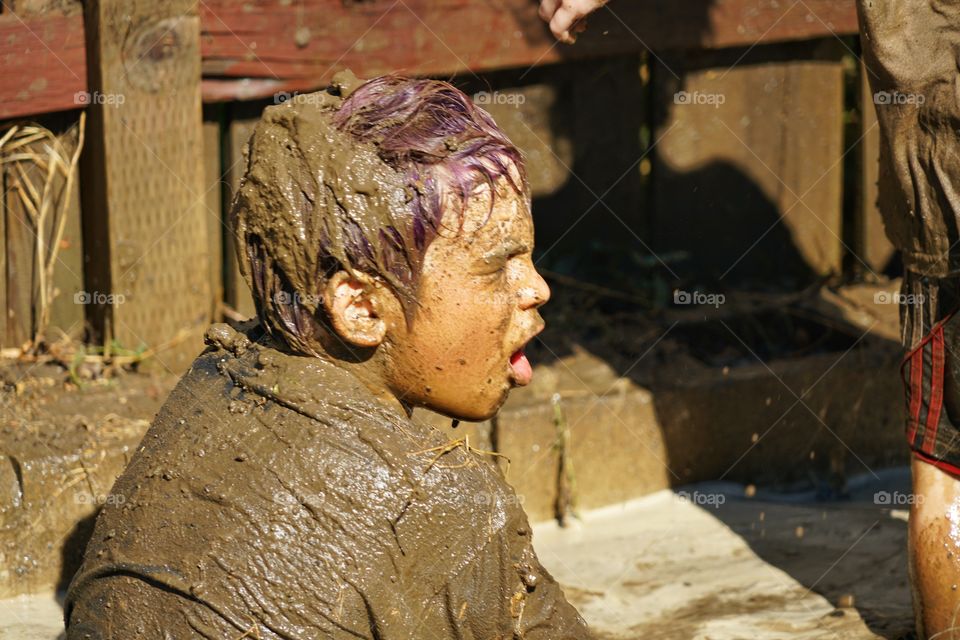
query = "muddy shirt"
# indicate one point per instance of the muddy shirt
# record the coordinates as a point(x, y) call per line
point(911, 50)
point(274, 498)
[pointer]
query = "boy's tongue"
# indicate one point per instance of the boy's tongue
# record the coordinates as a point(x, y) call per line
point(522, 371)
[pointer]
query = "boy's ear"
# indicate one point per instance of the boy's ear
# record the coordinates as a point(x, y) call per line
point(350, 304)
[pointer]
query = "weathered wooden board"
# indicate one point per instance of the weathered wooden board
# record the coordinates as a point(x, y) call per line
point(42, 64)
point(144, 207)
point(243, 118)
point(21, 261)
point(3, 260)
point(213, 190)
point(256, 49)
point(748, 170)
point(300, 46)
point(66, 316)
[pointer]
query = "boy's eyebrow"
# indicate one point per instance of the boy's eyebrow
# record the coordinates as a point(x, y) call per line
point(507, 249)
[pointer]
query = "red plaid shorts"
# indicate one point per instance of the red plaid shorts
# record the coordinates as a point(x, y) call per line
point(931, 378)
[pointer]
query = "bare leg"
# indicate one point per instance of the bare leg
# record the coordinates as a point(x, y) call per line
point(935, 552)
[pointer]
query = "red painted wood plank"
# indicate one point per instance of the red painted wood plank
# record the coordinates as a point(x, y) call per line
point(303, 44)
point(278, 45)
point(42, 64)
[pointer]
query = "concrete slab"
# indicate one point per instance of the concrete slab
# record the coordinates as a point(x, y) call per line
point(706, 562)
point(35, 617)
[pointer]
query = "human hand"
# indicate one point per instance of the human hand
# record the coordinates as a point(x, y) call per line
point(567, 17)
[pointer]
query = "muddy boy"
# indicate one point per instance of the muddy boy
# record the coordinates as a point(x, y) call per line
point(284, 490)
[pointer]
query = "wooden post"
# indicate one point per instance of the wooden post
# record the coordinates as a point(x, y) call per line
point(243, 118)
point(3, 262)
point(66, 316)
point(145, 214)
point(213, 188)
point(21, 260)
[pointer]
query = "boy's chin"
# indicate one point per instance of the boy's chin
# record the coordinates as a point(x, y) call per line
point(477, 412)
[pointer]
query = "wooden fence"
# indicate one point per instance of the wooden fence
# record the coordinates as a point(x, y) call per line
point(171, 91)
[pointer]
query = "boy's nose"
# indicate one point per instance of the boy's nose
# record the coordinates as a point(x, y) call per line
point(536, 293)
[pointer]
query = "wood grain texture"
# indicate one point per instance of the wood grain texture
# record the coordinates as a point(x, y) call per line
point(3, 260)
point(21, 261)
point(146, 202)
point(213, 189)
point(243, 118)
point(286, 48)
point(66, 316)
point(42, 64)
point(253, 49)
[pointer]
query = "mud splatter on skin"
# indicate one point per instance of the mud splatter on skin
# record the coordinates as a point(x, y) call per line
point(935, 550)
point(318, 508)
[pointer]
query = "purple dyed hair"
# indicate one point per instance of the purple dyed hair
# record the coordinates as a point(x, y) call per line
point(441, 145)
point(433, 133)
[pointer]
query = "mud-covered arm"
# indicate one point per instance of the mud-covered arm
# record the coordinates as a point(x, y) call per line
point(505, 592)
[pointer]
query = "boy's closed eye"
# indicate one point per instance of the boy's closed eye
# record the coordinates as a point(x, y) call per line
point(495, 260)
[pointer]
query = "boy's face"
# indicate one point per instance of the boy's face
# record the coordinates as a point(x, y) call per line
point(478, 299)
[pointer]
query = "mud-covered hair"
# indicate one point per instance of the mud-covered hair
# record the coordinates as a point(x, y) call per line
point(420, 143)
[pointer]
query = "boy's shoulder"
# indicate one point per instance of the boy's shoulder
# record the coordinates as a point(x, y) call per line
point(243, 470)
